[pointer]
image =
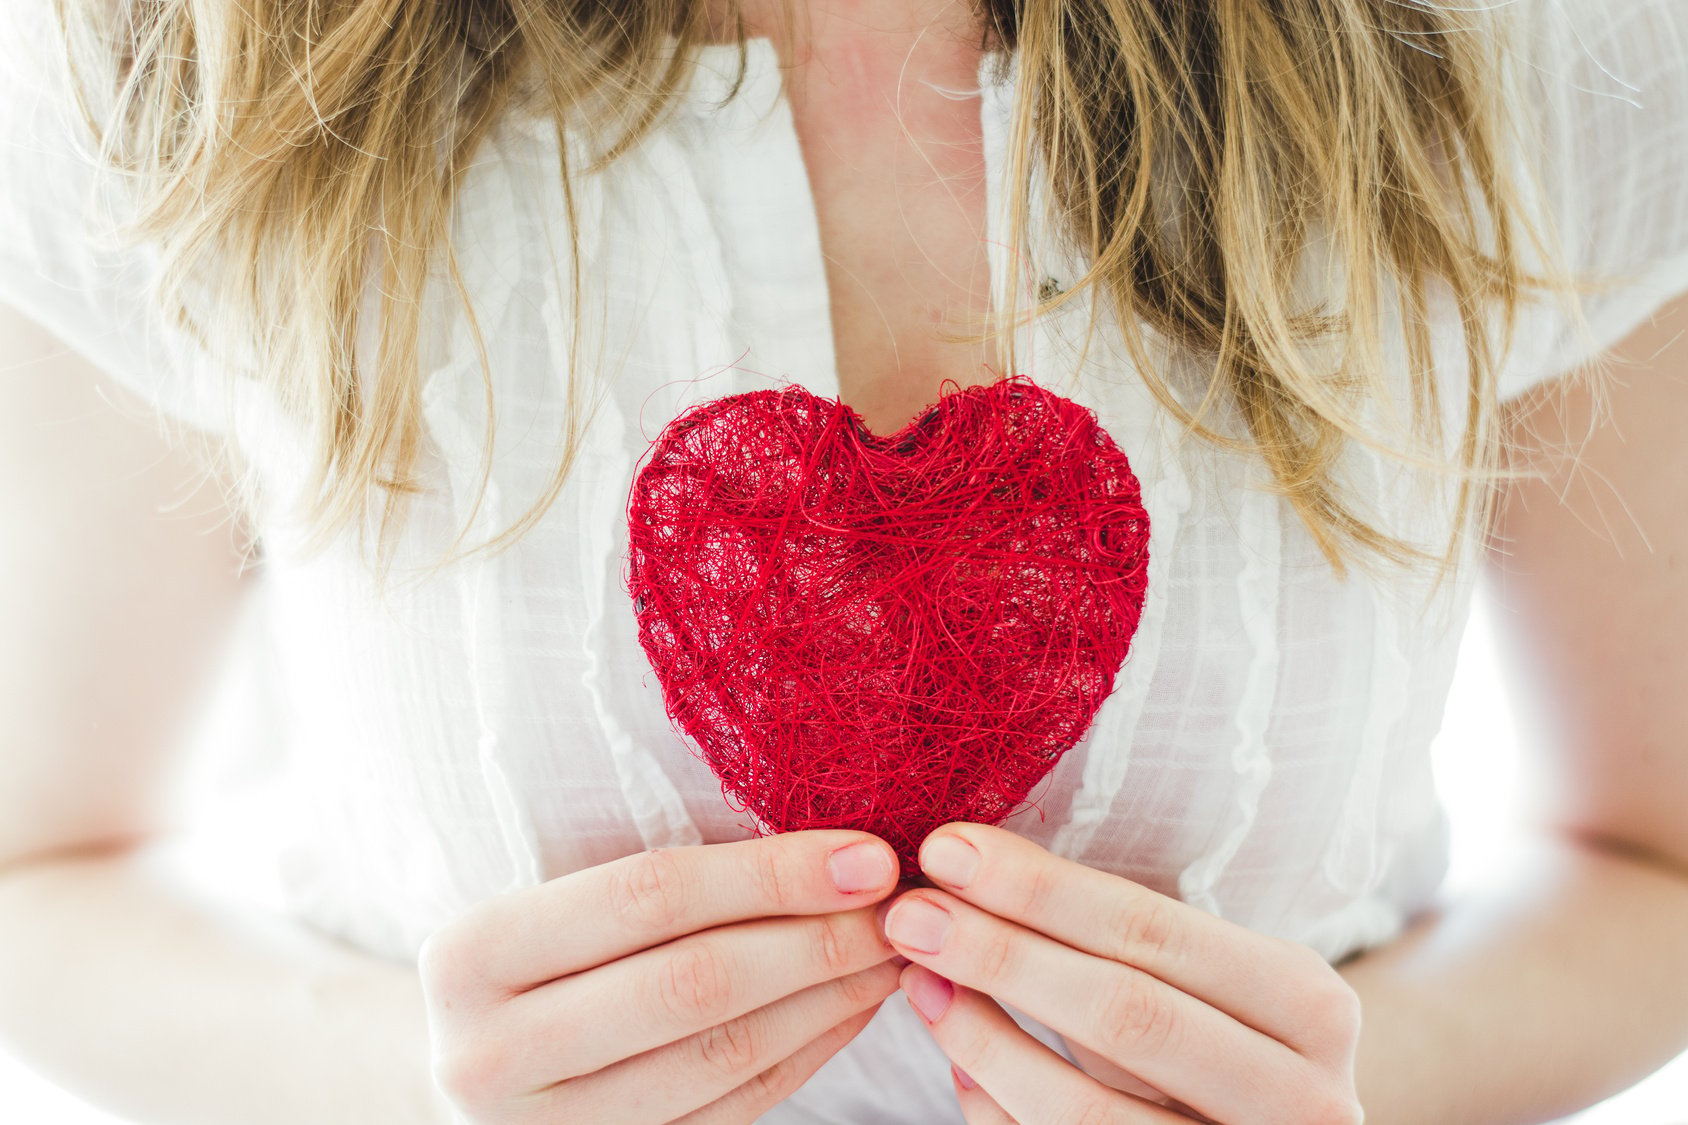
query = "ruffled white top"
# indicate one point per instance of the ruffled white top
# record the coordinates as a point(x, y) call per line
point(1264, 755)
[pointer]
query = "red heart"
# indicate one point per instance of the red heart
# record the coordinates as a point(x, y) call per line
point(886, 633)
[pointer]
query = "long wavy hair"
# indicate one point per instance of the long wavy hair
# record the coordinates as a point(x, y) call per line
point(289, 156)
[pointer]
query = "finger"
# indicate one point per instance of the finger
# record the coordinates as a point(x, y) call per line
point(524, 938)
point(978, 1107)
point(1261, 980)
point(663, 1084)
point(588, 1021)
point(1024, 1078)
point(778, 1082)
point(1166, 1037)
point(1108, 1074)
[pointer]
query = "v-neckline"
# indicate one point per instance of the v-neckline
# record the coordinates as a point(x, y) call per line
point(761, 101)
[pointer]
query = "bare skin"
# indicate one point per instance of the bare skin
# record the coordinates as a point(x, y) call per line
point(455, 1040)
point(897, 174)
point(1519, 1005)
point(1561, 983)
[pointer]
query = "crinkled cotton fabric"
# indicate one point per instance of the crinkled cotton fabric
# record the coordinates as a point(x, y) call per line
point(1265, 753)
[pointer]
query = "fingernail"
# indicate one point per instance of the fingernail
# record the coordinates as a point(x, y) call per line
point(961, 1077)
point(950, 859)
point(860, 867)
point(929, 993)
point(918, 924)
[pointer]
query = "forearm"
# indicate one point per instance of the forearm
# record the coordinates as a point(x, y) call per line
point(122, 984)
point(1532, 1001)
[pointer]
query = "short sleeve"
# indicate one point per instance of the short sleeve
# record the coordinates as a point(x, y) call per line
point(61, 262)
point(1604, 101)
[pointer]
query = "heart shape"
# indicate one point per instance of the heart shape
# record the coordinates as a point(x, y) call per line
point(885, 633)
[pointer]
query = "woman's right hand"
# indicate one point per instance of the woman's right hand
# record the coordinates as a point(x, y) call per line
point(699, 984)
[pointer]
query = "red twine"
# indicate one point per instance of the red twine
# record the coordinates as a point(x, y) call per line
point(886, 633)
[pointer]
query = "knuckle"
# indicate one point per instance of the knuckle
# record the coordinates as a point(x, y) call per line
point(1039, 891)
point(772, 1085)
point(1133, 1018)
point(1332, 1007)
point(1145, 931)
point(470, 1076)
point(776, 883)
point(731, 1047)
point(693, 984)
point(833, 951)
point(1307, 963)
point(769, 1085)
point(858, 990)
point(973, 1048)
point(647, 892)
point(449, 960)
point(999, 957)
point(438, 962)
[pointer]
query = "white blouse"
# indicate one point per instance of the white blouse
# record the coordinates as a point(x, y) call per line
point(1264, 754)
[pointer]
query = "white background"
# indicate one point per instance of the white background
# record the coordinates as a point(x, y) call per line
point(1477, 763)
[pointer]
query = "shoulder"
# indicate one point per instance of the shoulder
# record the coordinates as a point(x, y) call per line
point(67, 260)
point(1603, 118)
point(1601, 104)
point(1621, 61)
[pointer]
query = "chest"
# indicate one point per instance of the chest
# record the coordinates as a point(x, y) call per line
point(1263, 753)
point(897, 177)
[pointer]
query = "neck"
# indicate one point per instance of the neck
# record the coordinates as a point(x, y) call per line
point(851, 50)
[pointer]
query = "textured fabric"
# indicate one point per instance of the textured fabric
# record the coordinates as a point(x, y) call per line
point(1264, 755)
point(60, 261)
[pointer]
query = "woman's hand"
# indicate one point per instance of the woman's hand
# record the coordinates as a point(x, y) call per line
point(1175, 1014)
point(700, 984)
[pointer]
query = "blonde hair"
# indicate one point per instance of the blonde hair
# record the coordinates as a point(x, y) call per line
point(287, 152)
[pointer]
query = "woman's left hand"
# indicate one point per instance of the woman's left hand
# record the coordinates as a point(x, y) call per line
point(1174, 1013)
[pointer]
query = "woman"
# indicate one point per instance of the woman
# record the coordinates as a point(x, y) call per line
point(1302, 230)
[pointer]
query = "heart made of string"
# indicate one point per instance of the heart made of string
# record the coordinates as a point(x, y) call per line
point(885, 633)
